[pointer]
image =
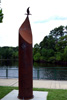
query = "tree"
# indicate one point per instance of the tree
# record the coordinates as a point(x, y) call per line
point(8, 52)
point(44, 43)
point(57, 32)
point(61, 44)
point(48, 42)
point(59, 56)
point(36, 49)
point(1, 16)
point(65, 54)
point(54, 33)
point(46, 54)
point(65, 30)
point(53, 47)
point(37, 56)
point(61, 31)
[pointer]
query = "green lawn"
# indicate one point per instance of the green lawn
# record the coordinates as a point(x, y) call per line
point(5, 90)
point(53, 94)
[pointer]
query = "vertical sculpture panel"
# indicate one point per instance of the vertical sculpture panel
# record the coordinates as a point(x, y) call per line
point(25, 61)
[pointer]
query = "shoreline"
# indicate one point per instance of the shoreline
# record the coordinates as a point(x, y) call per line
point(39, 61)
point(56, 62)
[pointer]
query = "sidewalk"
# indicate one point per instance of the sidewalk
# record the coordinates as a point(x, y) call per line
point(51, 84)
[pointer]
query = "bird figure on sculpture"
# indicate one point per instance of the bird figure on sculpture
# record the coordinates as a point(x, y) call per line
point(28, 12)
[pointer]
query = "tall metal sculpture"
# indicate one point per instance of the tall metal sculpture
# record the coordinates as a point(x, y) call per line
point(25, 60)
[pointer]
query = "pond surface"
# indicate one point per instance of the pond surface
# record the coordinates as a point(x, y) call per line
point(9, 69)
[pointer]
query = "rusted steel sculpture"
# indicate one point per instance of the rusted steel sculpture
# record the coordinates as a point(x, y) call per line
point(25, 60)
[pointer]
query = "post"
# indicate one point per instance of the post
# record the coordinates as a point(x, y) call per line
point(38, 73)
point(6, 72)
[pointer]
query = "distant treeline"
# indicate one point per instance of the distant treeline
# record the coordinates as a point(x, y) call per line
point(53, 48)
point(9, 53)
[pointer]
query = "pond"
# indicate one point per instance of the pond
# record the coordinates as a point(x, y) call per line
point(9, 69)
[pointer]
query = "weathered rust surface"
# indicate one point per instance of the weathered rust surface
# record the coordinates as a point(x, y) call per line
point(25, 61)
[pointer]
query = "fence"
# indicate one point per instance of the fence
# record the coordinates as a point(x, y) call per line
point(51, 74)
point(46, 73)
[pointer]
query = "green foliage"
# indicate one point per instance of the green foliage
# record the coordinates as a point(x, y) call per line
point(54, 94)
point(1, 16)
point(37, 56)
point(57, 32)
point(36, 49)
point(59, 56)
point(8, 52)
point(52, 59)
point(47, 53)
point(48, 42)
point(65, 54)
point(36, 52)
point(4, 90)
point(53, 47)
point(61, 44)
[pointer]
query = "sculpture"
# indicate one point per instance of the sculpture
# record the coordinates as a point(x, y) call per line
point(25, 60)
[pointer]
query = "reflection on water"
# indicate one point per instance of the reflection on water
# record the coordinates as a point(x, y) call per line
point(8, 63)
point(9, 69)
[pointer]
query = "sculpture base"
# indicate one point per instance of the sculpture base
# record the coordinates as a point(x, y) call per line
point(26, 98)
point(38, 95)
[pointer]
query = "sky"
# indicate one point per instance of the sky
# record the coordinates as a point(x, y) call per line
point(46, 15)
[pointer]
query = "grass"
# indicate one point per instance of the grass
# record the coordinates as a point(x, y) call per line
point(5, 90)
point(53, 94)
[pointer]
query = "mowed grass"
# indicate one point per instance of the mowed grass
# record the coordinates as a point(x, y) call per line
point(5, 90)
point(53, 94)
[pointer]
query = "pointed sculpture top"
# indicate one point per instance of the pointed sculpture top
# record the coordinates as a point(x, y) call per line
point(28, 12)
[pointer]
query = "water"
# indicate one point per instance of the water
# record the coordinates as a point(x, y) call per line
point(9, 69)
